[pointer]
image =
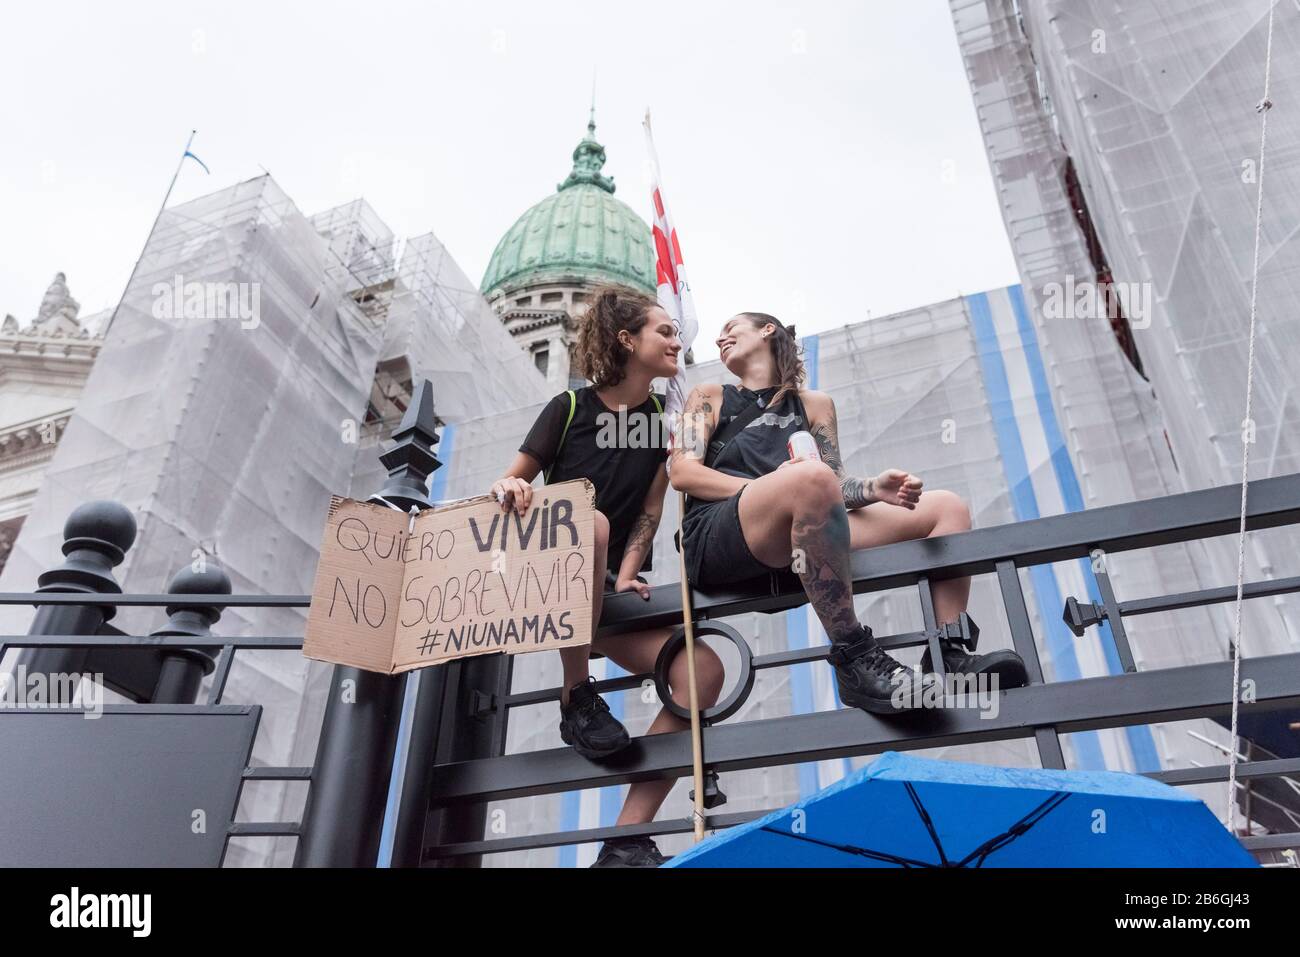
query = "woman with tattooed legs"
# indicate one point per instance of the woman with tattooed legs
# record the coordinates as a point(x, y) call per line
point(752, 511)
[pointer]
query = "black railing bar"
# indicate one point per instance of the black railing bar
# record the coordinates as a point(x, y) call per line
point(225, 661)
point(709, 603)
point(543, 695)
point(925, 594)
point(285, 643)
point(139, 709)
point(1208, 513)
point(1270, 842)
point(501, 716)
point(532, 842)
point(715, 822)
point(774, 660)
point(1046, 739)
point(270, 773)
point(1219, 772)
point(1175, 518)
point(265, 829)
point(1089, 704)
point(1115, 621)
point(171, 601)
point(1114, 528)
point(796, 656)
point(1208, 596)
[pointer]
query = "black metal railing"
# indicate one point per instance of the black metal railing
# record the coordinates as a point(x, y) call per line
point(156, 647)
point(1041, 711)
point(457, 760)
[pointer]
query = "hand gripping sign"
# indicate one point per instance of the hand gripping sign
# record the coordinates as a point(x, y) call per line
point(394, 593)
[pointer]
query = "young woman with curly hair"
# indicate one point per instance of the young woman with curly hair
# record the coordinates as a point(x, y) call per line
point(625, 342)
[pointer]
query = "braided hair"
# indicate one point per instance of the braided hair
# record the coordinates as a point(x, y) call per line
point(790, 372)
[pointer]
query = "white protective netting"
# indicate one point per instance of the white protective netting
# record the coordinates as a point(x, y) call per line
point(1154, 104)
point(228, 436)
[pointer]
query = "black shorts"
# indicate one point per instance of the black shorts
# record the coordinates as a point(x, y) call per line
point(716, 552)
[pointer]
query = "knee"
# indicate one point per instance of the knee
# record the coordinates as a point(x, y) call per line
point(952, 511)
point(709, 676)
point(813, 485)
point(600, 526)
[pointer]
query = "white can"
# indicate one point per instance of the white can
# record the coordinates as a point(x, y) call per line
point(803, 447)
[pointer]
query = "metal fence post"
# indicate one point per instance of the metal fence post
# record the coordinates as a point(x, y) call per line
point(466, 721)
point(343, 817)
point(96, 537)
point(459, 715)
point(182, 669)
point(421, 754)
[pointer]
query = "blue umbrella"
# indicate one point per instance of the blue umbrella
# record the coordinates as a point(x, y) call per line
point(903, 811)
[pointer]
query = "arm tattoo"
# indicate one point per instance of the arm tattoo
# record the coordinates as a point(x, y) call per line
point(642, 533)
point(694, 428)
point(857, 492)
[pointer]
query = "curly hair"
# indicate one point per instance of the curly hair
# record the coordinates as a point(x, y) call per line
point(600, 356)
point(790, 372)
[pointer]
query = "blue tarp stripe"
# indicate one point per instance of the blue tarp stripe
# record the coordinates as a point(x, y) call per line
point(1059, 646)
point(1141, 743)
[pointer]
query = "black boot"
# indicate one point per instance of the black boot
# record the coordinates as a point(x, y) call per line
point(870, 679)
point(958, 649)
point(585, 723)
point(630, 852)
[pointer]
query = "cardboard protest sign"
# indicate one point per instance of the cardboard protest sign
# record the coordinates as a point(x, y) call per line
point(392, 595)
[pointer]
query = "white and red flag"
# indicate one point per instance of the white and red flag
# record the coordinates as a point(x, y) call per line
point(674, 292)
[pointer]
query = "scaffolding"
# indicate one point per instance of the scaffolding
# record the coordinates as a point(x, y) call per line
point(1149, 109)
point(227, 431)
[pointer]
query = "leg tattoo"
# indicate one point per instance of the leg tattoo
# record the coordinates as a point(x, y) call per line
point(821, 546)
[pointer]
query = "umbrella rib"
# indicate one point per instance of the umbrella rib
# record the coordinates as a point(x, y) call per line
point(852, 849)
point(1017, 829)
point(925, 819)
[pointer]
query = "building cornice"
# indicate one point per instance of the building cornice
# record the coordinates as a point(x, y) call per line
point(519, 321)
point(20, 344)
point(27, 442)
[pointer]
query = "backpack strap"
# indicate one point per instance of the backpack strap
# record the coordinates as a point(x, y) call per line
point(803, 413)
point(724, 437)
point(730, 431)
point(573, 405)
point(734, 428)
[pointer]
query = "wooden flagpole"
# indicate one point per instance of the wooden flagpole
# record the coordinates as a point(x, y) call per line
point(688, 621)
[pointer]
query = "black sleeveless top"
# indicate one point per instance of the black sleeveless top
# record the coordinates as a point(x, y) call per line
point(621, 468)
point(760, 447)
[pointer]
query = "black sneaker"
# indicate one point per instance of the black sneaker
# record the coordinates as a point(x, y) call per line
point(629, 852)
point(870, 679)
point(1008, 666)
point(587, 724)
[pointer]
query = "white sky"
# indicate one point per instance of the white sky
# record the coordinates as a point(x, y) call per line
point(822, 160)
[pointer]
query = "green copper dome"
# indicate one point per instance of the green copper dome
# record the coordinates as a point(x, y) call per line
point(579, 233)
